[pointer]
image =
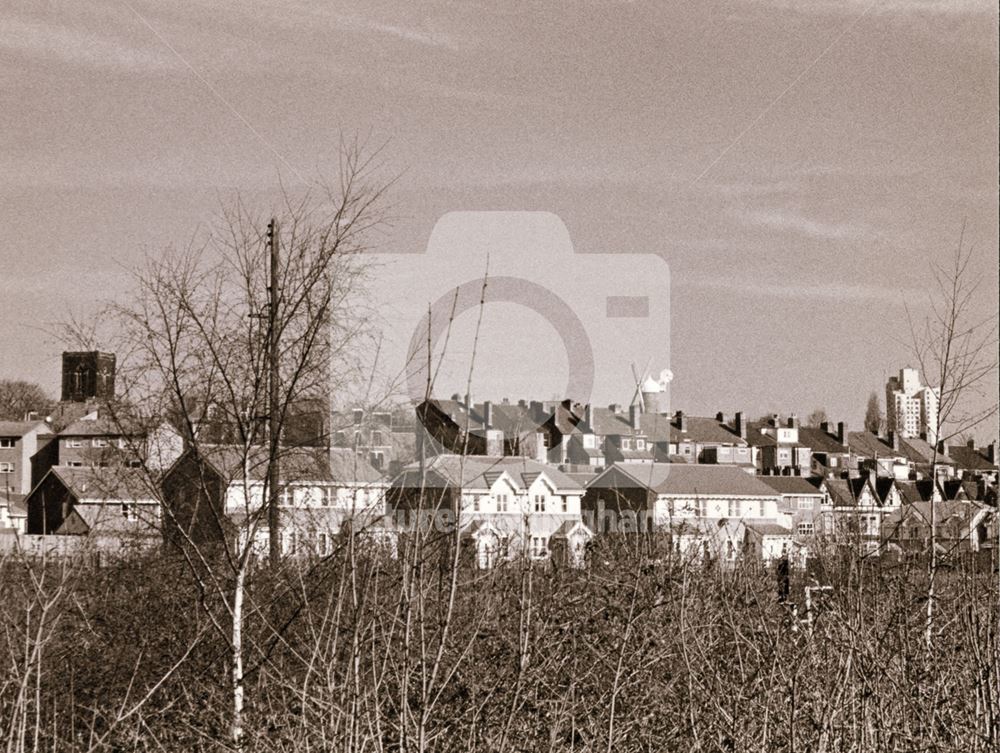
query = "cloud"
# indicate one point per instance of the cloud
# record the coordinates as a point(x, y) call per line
point(76, 46)
point(788, 221)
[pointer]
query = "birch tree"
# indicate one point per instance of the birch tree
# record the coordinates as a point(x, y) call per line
point(956, 346)
point(194, 344)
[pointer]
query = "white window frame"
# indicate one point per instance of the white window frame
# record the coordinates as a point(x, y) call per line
point(74, 443)
point(805, 528)
point(805, 503)
point(7, 467)
point(538, 547)
point(99, 442)
point(7, 443)
point(540, 503)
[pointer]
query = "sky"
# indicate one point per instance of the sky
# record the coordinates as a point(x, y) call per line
point(782, 175)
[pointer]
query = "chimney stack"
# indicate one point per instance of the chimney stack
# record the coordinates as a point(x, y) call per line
point(793, 421)
point(825, 426)
point(971, 444)
point(842, 433)
point(488, 413)
point(741, 424)
point(720, 417)
point(991, 451)
point(681, 419)
point(894, 440)
point(615, 408)
point(633, 414)
point(536, 410)
point(468, 401)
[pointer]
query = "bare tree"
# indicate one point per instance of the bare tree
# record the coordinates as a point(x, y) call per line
point(956, 346)
point(18, 398)
point(817, 418)
point(197, 343)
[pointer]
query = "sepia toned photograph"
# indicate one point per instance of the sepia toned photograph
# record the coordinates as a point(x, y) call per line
point(442, 376)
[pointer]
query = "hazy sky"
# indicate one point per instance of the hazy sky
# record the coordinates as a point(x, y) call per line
point(798, 165)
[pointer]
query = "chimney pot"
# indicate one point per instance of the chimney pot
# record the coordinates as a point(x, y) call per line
point(842, 432)
point(720, 417)
point(971, 443)
point(741, 424)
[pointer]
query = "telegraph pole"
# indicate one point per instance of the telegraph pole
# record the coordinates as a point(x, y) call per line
point(273, 422)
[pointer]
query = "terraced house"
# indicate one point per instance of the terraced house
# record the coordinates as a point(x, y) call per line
point(505, 507)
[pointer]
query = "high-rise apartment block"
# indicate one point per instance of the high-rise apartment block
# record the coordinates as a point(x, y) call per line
point(911, 408)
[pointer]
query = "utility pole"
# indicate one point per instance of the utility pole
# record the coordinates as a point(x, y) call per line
point(273, 422)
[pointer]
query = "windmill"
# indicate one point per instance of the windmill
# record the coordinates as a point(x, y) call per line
point(637, 375)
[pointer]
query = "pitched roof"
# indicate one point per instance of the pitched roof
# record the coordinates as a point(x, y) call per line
point(338, 464)
point(767, 528)
point(20, 428)
point(844, 492)
point(476, 472)
point(103, 426)
point(791, 485)
point(920, 451)
point(685, 479)
point(912, 492)
point(110, 483)
point(866, 444)
point(970, 459)
point(705, 431)
point(820, 440)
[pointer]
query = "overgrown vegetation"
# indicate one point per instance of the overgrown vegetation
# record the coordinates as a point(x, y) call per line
point(360, 652)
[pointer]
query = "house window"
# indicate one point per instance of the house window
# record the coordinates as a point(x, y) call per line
point(589, 441)
point(128, 511)
point(122, 443)
point(543, 439)
point(565, 504)
point(377, 438)
point(99, 442)
point(539, 503)
point(640, 444)
point(805, 528)
point(74, 443)
point(323, 544)
point(539, 547)
point(475, 503)
point(805, 503)
point(6, 467)
point(6, 443)
point(626, 443)
point(288, 542)
point(75, 463)
point(502, 502)
point(285, 496)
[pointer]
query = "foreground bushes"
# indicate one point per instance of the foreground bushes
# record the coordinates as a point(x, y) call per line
point(355, 653)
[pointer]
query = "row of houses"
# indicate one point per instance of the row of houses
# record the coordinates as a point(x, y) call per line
point(506, 507)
